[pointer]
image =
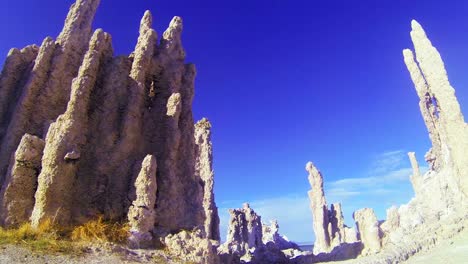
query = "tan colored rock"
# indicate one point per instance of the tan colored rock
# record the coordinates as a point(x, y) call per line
point(329, 227)
point(141, 215)
point(49, 84)
point(17, 64)
point(319, 208)
point(16, 126)
point(101, 115)
point(17, 195)
point(66, 135)
point(244, 233)
point(271, 235)
point(416, 178)
point(369, 231)
point(174, 105)
point(204, 168)
point(192, 247)
point(440, 110)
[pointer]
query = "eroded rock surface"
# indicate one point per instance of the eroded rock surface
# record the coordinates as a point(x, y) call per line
point(141, 214)
point(17, 195)
point(438, 209)
point(369, 230)
point(329, 227)
point(204, 169)
point(100, 116)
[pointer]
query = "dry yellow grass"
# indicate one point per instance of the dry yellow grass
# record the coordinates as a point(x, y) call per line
point(48, 237)
point(100, 231)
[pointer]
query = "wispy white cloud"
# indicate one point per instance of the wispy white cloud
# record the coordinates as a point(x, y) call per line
point(386, 183)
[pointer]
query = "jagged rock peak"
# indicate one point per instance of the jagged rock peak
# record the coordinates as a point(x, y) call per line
point(146, 22)
point(77, 28)
point(329, 227)
point(204, 170)
point(171, 42)
point(441, 113)
point(319, 207)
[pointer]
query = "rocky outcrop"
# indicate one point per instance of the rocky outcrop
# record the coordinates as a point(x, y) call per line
point(329, 228)
point(438, 209)
point(44, 90)
point(141, 214)
point(204, 169)
point(271, 235)
point(250, 241)
point(100, 117)
point(245, 231)
point(441, 113)
point(192, 247)
point(369, 230)
point(17, 195)
point(66, 138)
point(319, 208)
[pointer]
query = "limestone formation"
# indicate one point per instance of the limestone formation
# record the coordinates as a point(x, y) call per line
point(392, 222)
point(192, 247)
point(100, 116)
point(17, 195)
point(271, 235)
point(329, 227)
point(440, 110)
point(319, 209)
point(66, 137)
point(204, 168)
point(246, 242)
point(44, 90)
point(141, 215)
point(245, 231)
point(369, 230)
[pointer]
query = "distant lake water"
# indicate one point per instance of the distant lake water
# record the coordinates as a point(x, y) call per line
point(306, 247)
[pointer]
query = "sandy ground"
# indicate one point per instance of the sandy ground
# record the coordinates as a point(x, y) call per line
point(451, 251)
point(16, 254)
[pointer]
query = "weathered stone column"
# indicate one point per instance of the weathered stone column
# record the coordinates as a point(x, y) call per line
point(204, 170)
point(66, 138)
point(318, 205)
point(17, 195)
point(440, 109)
point(369, 230)
point(141, 215)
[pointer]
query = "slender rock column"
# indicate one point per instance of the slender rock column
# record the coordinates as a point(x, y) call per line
point(318, 205)
point(440, 109)
point(66, 138)
point(47, 89)
point(17, 195)
point(369, 230)
point(204, 169)
point(141, 214)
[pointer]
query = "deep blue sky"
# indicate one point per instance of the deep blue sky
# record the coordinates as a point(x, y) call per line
point(285, 82)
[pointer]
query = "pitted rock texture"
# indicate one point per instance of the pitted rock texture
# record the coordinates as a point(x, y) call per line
point(271, 235)
point(192, 247)
point(100, 116)
point(329, 227)
point(246, 242)
point(369, 230)
point(141, 214)
point(204, 169)
point(245, 231)
point(17, 195)
point(438, 209)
